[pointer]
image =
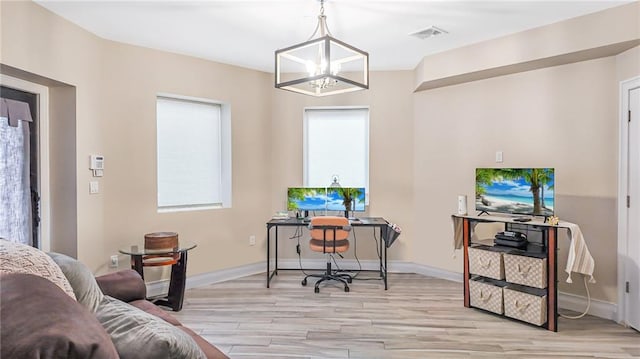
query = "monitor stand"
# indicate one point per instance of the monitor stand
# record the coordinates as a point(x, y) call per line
point(354, 219)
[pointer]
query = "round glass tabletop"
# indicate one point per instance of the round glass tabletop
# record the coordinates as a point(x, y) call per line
point(138, 249)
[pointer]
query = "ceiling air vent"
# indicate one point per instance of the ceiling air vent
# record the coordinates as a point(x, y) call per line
point(428, 32)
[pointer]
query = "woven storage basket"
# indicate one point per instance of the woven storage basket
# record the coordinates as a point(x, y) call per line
point(524, 270)
point(486, 263)
point(486, 296)
point(524, 306)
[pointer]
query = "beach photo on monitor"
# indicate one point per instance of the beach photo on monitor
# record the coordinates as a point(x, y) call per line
point(525, 191)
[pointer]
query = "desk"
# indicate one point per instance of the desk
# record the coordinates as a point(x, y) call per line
point(373, 222)
point(178, 279)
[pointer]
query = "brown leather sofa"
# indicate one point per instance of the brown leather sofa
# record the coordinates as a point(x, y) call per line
point(52, 306)
point(129, 287)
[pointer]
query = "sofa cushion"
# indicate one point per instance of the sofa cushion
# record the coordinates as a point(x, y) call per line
point(131, 330)
point(81, 279)
point(20, 258)
point(210, 351)
point(40, 321)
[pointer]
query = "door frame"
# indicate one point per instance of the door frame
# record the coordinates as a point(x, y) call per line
point(44, 230)
point(623, 172)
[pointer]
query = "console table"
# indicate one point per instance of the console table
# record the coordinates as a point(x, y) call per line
point(546, 236)
point(373, 222)
point(178, 280)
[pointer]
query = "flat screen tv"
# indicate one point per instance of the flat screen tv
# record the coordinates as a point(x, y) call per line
point(306, 198)
point(345, 199)
point(522, 191)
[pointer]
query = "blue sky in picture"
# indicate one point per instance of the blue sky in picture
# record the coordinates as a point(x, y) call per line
point(335, 201)
point(320, 199)
point(518, 190)
point(315, 201)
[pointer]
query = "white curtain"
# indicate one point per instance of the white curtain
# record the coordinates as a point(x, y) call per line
point(15, 196)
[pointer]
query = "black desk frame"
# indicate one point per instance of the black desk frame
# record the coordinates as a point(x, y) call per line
point(175, 297)
point(372, 222)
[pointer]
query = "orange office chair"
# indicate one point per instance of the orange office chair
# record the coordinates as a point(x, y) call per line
point(329, 235)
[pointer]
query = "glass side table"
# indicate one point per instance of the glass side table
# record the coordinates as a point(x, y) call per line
point(178, 280)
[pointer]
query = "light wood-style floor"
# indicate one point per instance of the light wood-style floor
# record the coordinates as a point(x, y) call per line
point(418, 317)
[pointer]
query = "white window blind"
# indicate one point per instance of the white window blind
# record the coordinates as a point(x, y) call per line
point(336, 142)
point(191, 155)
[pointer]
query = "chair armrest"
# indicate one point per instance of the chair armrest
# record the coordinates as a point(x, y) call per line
point(328, 226)
point(125, 285)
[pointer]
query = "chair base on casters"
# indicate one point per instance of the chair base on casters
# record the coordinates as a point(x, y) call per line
point(329, 275)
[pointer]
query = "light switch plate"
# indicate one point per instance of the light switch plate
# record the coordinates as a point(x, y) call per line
point(94, 187)
point(498, 156)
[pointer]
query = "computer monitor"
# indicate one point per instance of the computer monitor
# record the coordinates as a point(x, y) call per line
point(306, 198)
point(345, 199)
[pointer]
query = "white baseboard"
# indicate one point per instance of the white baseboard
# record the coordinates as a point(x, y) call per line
point(162, 286)
point(578, 303)
point(568, 301)
point(435, 272)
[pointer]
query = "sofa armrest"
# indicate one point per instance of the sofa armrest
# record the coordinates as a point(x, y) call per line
point(125, 285)
point(39, 320)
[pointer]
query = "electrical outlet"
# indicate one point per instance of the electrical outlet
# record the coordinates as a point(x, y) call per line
point(114, 261)
point(252, 240)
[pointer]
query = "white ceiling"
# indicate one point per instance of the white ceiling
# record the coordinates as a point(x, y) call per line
point(246, 33)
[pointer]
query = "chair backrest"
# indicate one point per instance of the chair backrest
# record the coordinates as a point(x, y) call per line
point(325, 225)
point(160, 241)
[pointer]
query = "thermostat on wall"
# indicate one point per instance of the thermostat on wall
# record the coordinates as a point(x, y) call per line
point(97, 165)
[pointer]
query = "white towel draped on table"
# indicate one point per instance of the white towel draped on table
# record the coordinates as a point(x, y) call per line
point(579, 259)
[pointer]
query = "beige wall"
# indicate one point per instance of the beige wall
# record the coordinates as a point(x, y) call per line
point(54, 52)
point(628, 63)
point(391, 153)
point(116, 85)
point(563, 117)
point(135, 76)
point(424, 146)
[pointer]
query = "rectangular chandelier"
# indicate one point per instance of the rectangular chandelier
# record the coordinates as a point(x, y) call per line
point(322, 66)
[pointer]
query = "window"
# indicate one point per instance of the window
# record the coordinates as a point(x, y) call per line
point(336, 143)
point(194, 154)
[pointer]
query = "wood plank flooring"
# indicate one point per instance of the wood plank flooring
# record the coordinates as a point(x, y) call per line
point(418, 317)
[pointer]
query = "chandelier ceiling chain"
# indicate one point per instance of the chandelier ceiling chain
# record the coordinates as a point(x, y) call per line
point(322, 24)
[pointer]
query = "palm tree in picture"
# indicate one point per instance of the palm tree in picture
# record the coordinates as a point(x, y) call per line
point(546, 175)
point(349, 196)
point(484, 177)
point(531, 177)
point(298, 194)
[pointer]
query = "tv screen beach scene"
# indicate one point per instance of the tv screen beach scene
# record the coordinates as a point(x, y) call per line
point(525, 191)
point(306, 199)
point(345, 199)
point(325, 199)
